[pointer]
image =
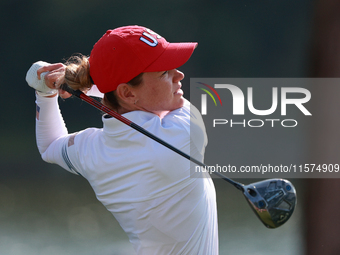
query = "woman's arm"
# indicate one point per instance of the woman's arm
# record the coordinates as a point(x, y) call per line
point(49, 123)
point(45, 78)
point(51, 132)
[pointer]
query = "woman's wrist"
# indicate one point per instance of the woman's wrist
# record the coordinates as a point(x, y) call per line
point(46, 94)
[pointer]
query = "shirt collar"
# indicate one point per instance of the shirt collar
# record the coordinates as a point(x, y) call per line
point(114, 126)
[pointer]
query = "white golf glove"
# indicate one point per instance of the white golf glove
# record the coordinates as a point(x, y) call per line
point(34, 82)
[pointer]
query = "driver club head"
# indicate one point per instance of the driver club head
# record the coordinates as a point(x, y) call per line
point(272, 200)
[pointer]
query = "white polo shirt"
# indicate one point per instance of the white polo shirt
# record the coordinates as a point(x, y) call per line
point(146, 186)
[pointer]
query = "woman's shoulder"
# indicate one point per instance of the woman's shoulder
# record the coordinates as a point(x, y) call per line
point(85, 135)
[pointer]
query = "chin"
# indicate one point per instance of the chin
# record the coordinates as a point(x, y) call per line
point(178, 104)
point(181, 103)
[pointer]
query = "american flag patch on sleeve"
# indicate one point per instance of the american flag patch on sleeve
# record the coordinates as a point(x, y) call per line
point(37, 112)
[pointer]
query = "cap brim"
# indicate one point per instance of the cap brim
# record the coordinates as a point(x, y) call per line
point(174, 56)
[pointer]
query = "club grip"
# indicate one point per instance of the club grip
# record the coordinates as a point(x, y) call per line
point(66, 88)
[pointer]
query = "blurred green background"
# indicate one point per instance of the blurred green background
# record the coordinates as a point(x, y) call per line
point(46, 210)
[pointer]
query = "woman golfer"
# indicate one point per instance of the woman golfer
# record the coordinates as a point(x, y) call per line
point(147, 187)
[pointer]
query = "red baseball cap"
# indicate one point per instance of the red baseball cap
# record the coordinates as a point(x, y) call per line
point(125, 52)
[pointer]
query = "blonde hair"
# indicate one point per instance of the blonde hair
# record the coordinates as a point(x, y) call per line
point(77, 73)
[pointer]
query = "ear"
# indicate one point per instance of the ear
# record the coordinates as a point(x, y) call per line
point(126, 93)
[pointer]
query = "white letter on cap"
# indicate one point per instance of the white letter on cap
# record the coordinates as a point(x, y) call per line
point(154, 41)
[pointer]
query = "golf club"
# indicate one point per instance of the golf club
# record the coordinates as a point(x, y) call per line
point(273, 200)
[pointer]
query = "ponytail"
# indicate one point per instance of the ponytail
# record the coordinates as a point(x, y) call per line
point(77, 73)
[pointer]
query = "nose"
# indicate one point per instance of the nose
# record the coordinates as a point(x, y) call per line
point(178, 76)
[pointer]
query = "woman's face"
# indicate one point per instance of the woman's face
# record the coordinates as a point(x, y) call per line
point(160, 92)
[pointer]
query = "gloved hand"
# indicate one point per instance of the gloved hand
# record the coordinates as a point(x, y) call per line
point(39, 84)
